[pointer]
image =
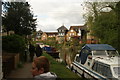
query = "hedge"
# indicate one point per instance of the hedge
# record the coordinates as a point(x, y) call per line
point(13, 43)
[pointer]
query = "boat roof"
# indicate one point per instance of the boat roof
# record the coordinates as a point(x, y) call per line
point(99, 47)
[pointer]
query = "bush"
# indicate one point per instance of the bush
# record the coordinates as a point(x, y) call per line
point(13, 43)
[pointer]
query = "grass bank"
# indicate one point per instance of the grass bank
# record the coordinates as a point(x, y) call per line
point(60, 69)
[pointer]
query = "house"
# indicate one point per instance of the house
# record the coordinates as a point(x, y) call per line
point(47, 35)
point(38, 34)
point(61, 33)
point(44, 36)
point(52, 34)
point(76, 31)
point(71, 33)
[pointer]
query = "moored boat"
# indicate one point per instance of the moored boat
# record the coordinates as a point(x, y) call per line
point(97, 61)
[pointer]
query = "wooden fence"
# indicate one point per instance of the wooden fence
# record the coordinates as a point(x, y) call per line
point(9, 62)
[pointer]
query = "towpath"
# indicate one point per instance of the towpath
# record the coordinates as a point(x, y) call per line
point(23, 72)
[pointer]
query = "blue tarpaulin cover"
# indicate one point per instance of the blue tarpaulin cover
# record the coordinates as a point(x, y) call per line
point(99, 47)
point(47, 48)
point(84, 55)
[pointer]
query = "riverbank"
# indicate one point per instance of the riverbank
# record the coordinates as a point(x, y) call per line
point(61, 70)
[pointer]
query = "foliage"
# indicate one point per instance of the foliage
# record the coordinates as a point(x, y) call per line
point(94, 8)
point(13, 43)
point(117, 11)
point(17, 16)
point(51, 41)
point(69, 50)
point(106, 25)
point(73, 50)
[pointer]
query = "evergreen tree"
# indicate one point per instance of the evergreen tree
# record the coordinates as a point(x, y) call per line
point(18, 17)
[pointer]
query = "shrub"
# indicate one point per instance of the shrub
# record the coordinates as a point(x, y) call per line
point(13, 43)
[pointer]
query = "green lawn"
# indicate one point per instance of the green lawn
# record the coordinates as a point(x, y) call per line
point(60, 69)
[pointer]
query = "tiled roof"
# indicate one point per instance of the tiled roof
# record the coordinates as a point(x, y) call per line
point(40, 31)
point(51, 32)
point(76, 27)
point(62, 28)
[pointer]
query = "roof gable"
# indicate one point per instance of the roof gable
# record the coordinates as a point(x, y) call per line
point(40, 31)
point(62, 28)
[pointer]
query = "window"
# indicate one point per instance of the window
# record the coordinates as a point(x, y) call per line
point(108, 72)
point(99, 52)
point(83, 55)
point(85, 51)
point(95, 66)
point(76, 29)
point(69, 38)
point(37, 33)
point(117, 70)
point(60, 31)
point(73, 33)
point(77, 58)
point(112, 53)
point(71, 30)
point(102, 69)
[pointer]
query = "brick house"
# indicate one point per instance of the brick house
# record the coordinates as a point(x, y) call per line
point(71, 33)
point(47, 35)
point(44, 36)
point(52, 34)
point(76, 31)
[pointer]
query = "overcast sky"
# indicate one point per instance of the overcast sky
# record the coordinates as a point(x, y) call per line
point(51, 14)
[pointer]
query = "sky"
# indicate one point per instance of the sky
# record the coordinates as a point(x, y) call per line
point(52, 14)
